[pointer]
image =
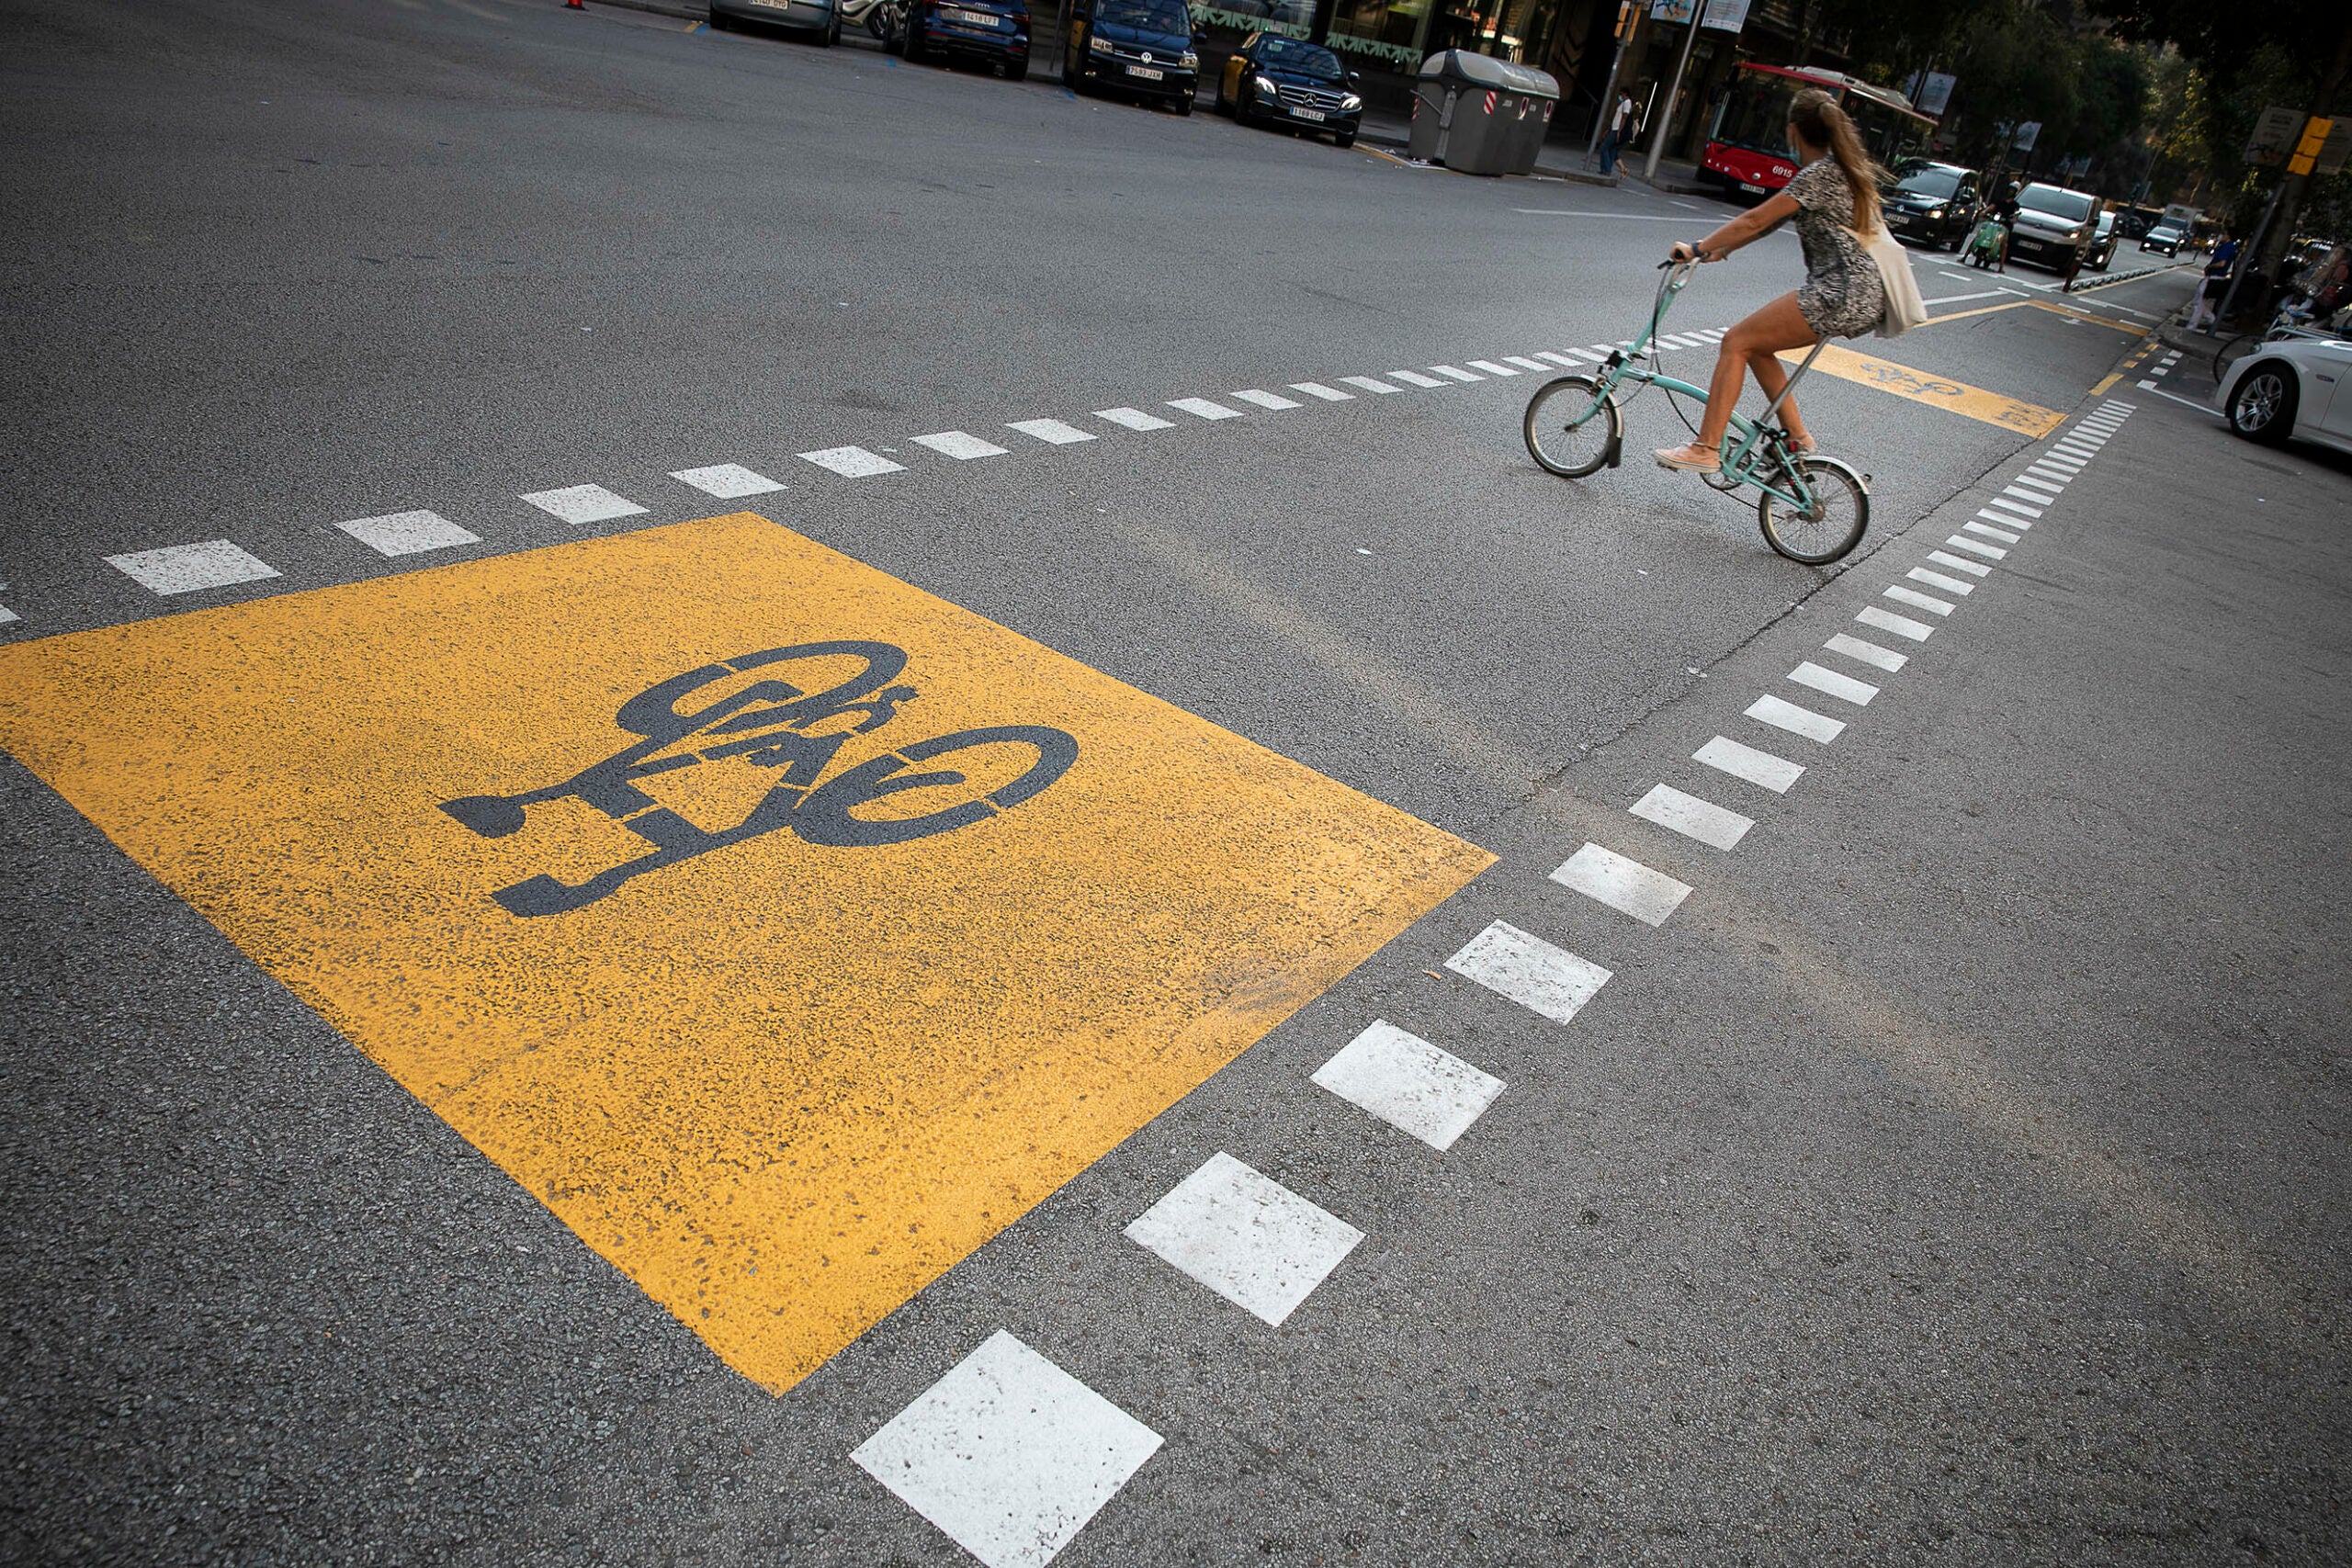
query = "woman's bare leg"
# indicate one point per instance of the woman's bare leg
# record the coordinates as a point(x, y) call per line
point(1751, 345)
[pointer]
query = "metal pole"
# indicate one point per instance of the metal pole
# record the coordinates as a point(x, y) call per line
point(1657, 143)
point(1609, 92)
point(2246, 257)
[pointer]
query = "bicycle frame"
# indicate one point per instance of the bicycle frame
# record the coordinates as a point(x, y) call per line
point(1749, 445)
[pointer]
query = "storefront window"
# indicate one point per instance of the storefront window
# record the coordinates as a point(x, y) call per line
point(1384, 33)
point(1291, 18)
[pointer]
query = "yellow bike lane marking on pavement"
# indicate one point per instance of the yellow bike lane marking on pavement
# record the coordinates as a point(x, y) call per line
point(1958, 398)
point(786, 976)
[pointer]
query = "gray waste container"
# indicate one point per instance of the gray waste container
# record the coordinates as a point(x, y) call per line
point(1479, 115)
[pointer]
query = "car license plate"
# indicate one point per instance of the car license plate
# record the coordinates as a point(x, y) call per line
point(1316, 115)
point(1752, 190)
point(972, 18)
point(1148, 73)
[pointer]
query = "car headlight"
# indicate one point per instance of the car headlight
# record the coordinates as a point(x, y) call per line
point(1098, 45)
point(1264, 87)
point(1188, 61)
point(1935, 212)
point(1350, 104)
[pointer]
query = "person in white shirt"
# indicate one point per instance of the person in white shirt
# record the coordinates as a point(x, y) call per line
point(1621, 126)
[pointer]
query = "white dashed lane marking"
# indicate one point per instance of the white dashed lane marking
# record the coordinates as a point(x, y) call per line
point(1526, 364)
point(1712, 825)
point(1830, 684)
point(1246, 1236)
point(1413, 379)
point(1052, 432)
point(1456, 373)
point(960, 445)
point(1624, 885)
point(1134, 419)
point(184, 568)
point(1869, 653)
point(1008, 1455)
point(1318, 389)
point(1202, 408)
point(1973, 568)
point(583, 503)
point(1530, 971)
point(1759, 768)
point(1265, 400)
point(1939, 581)
point(1783, 714)
point(852, 462)
point(729, 481)
point(1410, 1084)
point(400, 534)
point(2006, 536)
point(1918, 600)
point(1491, 368)
point(1370, 384)
point(1888, 621)
point(2033, 500)
point(1977, 547)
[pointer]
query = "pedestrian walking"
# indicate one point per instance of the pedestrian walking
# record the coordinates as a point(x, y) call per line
point(2208, 302)
point(1621, 116)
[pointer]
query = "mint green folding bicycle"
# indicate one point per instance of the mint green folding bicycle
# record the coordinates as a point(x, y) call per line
point(1811, 509)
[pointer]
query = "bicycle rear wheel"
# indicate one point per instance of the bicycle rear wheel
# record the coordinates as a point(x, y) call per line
point(1570, 427)
point(1831, 526)
point(2232, 350)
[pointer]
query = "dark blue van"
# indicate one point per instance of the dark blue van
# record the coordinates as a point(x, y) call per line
point(1142, 47)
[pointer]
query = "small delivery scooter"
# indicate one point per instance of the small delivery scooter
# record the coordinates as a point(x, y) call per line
point(1986, 244)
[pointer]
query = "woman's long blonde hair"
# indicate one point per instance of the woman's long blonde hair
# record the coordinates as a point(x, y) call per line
point(1817, 118)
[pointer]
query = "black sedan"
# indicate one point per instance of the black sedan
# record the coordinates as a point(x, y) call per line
point(2164, 239)
point(1933, 204)
point(995, 32)
point(1276, 81)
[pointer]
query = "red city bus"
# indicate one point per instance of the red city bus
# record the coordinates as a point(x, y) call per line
point(1748, 148)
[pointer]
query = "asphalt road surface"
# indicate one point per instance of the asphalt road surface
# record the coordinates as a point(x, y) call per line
point(1293, 988)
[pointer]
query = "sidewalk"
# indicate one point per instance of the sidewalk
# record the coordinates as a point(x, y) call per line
point(1562, 160)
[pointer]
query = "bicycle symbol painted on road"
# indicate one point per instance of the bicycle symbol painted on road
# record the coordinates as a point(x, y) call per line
point(773, 723)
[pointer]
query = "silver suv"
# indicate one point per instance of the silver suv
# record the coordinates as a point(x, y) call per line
point(2053, 224)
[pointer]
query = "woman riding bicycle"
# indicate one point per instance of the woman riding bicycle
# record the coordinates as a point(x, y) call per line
point(1834, 199)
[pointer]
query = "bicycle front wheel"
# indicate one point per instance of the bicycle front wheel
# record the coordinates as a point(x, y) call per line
point(2225, 357)
point(1570, 427)
point(1828, 529)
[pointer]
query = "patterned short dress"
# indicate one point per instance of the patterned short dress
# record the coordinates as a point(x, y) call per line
point(1843, 295)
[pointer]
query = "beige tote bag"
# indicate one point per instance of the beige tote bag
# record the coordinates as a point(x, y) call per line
point(1905, 309)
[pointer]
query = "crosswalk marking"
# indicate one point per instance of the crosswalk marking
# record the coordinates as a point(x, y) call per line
point(1134, 419)
point(1742, 762)
point(2006, 536)
point(1052, 432)
point(729, 481)
point(1524, 363)
point(1869, 653)
point(1530, 971)
point(1564, 361)
point(1370, 384)
point(1413, 379)
point(852, 462)
point(1716, 825)
point(1973, 568)
point(1491, 368)
point(2004, 519)
point(1829, 683)
point(1623, 884)
point(1455, 373)
point(1888, 621)
point(1976, 547)
point(2049, 487)
point(1783, 714)
point(2034, 502)
point(583, 503)
point(1205, 409)
point(1917, 600)
point(1409, 1083)
point(960, 445)
point(1318, 389)
point(1938, 580)
point(408, 533)
point(185, 569)
point(1246, 1236)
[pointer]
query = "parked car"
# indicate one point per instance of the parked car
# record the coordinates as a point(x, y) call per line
point(2296, 384)
point(2053, 224)
point(2103, 243)
point(822, 17)
point(1144, 47)
point(995, 32)
point(2164, 239)
point(1277, 81)
point(1935, 204)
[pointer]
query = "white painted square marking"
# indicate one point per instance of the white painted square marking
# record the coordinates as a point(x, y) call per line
point(1265, 400)
point(2033, 482)
point(1370, 384)
point(1977, 547)
point(1452, 373)
point(1869, 653)
point(1759, 768)
point(2033, 500)
point(2061, 462)
point(1413, 379)
point(408, 533)
point(1524, 363)
point(1530, 971)
point(1565, 362)
point(853, 462)
point(1203, 409)
point(1782, 715)
point(1136, 419)
point(583, 503)
point(1627, 885)
point(2005, 536)
point(1888, 621)
point(1008, 1454)
point(1973, 568)
point(1246, 1236)
point(1691, 816)
point(1052, 432)
point(960, 445)
point(729, 481)
point(1318, 389)
point(1917, 600)
point(1410, 1084)
point(1491, 368)
point(2005, 517)
point(1603, 350)
point(2050, 472)
point(1938, 580)
point(1830, 684)
point(184, 568)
